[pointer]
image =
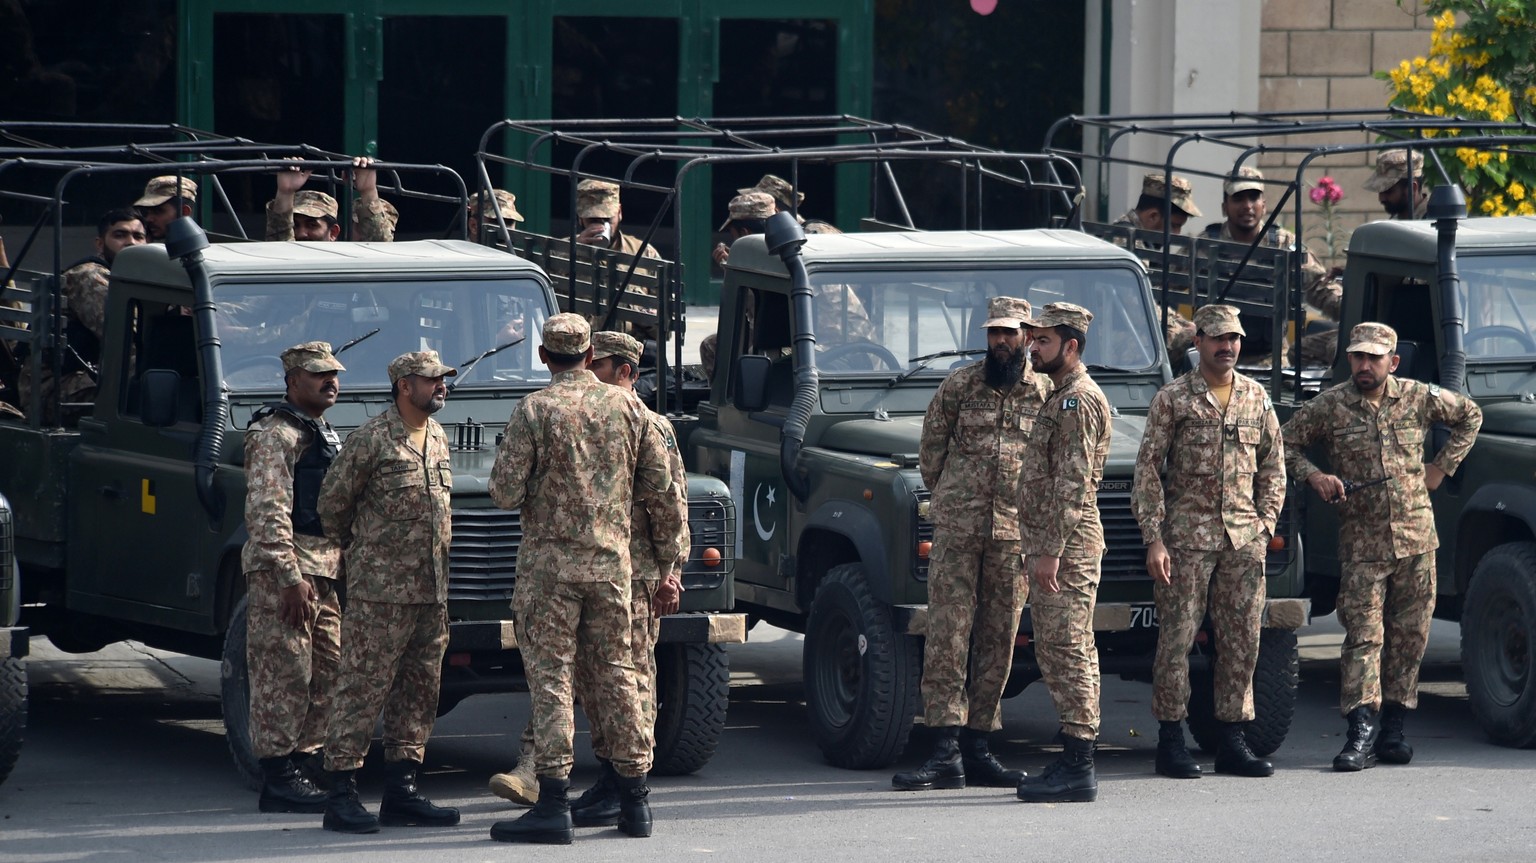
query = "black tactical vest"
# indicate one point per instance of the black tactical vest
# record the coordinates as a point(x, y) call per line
point(310, 469)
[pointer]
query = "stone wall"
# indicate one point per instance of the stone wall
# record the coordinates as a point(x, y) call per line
point(1323, 54)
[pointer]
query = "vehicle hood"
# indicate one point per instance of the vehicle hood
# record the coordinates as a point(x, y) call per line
point(1513, 418)
point(901, 435)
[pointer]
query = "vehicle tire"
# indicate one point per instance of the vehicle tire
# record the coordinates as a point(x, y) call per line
point(13, 712)
point(1497, 625)
point(693, 690)
point(235, 698)
point(861, 676)
point(1275, 679)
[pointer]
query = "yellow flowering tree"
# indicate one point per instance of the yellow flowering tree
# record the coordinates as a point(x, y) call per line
point(1482, 69)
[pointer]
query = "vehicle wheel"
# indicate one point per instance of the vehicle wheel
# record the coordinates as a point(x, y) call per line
point(1275, 680)
point(13, 712)
point(861, 676)
point(693, 690)
point(1497, 623)
point(235, 698)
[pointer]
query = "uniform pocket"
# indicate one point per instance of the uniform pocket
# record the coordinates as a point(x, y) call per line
point(401, 486)
point(1202, 449)
point(1246, 458)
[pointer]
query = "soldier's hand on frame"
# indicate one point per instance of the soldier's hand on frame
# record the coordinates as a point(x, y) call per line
point(294, 602)
point(1043, 573)
point(669, 595)
point(1433, 476)
point(365, 178)
point(1328, 487)
point(1159, 565)
point(292, 179)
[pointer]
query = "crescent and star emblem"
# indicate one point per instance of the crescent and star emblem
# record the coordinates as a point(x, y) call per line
point(763, 533)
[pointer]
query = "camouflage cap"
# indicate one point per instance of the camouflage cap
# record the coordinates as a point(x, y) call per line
point(622, 345)
point(1392, 167)
point(817, 226)
point(1245, 180)
point(1183, 196)
point(311, 357)
point(567, 334)
point(316, 205)
point(1371, 338)
point(749, 205)
point(1006, 312)
point(425, 364)
point(500, 201)
point(1218, 321)
point(778, 188)
point(1062, 314)
point(390, 213)
point(597, 199)
point(161, 189)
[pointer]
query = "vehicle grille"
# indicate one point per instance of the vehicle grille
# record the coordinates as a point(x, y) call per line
point(482, 561)
point(710, 525)
point(1125, 557)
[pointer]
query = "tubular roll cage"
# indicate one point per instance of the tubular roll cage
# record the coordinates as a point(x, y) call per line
point(562, 147)
point(184, 153)
point(1249, 134)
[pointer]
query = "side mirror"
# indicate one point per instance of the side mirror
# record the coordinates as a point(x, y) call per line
point(158, 389)
point(1192, 356)
point(749, 382)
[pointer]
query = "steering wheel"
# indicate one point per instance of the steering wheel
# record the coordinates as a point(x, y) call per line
point(874, 349)
point(1499, 331)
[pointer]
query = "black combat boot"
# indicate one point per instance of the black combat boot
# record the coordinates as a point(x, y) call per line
point(344, 813)
point(403, 805)
point(943, 769)
point(1070, 779)
point(1391, 748)
point(547, 823)
point(634, 806)
point(1360, 749)
point(311, 767)
point(598, 806)
point(982, 769)
point(1173, 758)
point(1234, 758)
point(283, 790)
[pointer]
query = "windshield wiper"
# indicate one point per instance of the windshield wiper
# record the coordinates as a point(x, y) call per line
point(362, 338)
point(469, 365)
point(925, 359)
point(1098, 367)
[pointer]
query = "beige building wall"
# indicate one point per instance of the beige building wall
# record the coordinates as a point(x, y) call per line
point(1323, 54)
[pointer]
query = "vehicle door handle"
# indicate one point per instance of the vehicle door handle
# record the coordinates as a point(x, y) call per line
point(111, 492)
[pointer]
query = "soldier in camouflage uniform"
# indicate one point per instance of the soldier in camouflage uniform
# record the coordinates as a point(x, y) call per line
point(306, 215)
point(1063, 542)
point(165, 200)
point(1207, 532)
point(1399, 184)
point(1372, 427)
point(655, 590)
point(293, 625)
point(484, 212)
point(386, 501)
point(1147, 215)
point(974, 435)
point(576, 457)
point(599, 214)
point(84, 288)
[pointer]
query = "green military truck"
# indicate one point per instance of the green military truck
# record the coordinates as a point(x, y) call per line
point(1460, 294)
point(13, 673)
point(129, 524)
point(830, 349)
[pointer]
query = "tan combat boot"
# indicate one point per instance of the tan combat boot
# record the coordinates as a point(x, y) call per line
point(520, 785)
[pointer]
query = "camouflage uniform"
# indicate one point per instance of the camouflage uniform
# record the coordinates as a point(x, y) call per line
point(293, 671)
point(598, 199)
point(371, 224)
point(1226, 484)
point(1059, 517)
point(1387, 533)
point(84, 288)
point(574, 458)
point(973, 439)
point(1179, 331)
point(1394, 166)
point(388, 505)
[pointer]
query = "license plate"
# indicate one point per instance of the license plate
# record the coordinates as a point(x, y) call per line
point(1143, 617)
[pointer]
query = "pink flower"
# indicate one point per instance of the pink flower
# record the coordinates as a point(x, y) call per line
point(1326, 191)
point(1318, 194)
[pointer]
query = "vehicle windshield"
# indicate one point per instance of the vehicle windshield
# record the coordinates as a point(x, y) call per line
point(459, 319)
point(883, 322)
point(1499, 297)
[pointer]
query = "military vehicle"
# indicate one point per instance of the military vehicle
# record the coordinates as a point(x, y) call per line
point(1460, 294)
point(13, 673)
point(129, 523)
point(830, 349)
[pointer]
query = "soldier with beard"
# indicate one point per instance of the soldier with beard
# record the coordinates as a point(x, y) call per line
point(385, 501)
point(974, 437)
